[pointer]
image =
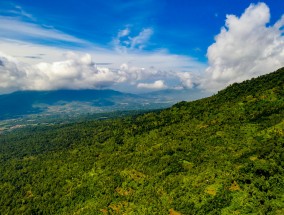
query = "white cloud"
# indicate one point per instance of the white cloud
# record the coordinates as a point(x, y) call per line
point(246, 47)
point(31, 53)
point(124, 42)
point(29, 63)
point(18, 10)
point(11, 9)
point(16, 29)
point(11, 74)
point(141, 40)
point(123, 33)
point(157, 85)
point(186, 79)
point(81, 72)
point(73, 73)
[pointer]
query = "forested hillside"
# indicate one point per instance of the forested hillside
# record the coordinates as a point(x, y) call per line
point(219, 155)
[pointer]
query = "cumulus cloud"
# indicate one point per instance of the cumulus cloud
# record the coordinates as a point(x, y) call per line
point(246, 47)
point(11, 73)
point(157, 85)
point(73, 73)
point(81, 72)
point(187, 79)
point(84, 71)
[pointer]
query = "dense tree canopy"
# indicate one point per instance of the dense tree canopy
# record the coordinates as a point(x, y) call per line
point(219, 155)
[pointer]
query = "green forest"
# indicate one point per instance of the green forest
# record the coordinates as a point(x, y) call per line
point(219, 155)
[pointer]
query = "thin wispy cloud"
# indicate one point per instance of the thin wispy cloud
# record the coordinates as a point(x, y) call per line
point(123, 33)
point(126, 42)
point(16, 29)
point(15, 10)
point(18, 10)
point(141, 40)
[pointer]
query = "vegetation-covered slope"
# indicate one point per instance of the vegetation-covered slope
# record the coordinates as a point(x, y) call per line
point(219, 155)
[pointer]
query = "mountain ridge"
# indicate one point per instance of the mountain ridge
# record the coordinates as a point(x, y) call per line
point(24, 103)
point(217, 155)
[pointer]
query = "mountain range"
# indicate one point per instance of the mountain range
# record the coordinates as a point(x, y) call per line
point(24, 103)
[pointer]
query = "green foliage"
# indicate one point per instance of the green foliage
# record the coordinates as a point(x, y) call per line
point(219, 155)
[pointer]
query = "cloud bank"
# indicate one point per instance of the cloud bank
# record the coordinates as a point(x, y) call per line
point(81, 72)
point(76, 72)
point(246, 47)
point(30, 62)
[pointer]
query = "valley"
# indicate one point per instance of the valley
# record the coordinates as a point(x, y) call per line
point(34, 108)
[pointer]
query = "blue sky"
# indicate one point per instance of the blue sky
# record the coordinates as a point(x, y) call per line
point(163, 43)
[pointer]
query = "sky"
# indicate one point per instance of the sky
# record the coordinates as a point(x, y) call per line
point(137, 45)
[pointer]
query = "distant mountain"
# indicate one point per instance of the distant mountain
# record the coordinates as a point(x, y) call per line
point(24, 103)
point(34, 102)
point(176, 95)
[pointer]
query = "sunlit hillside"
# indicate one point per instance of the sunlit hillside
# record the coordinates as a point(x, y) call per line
point(219, 155)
